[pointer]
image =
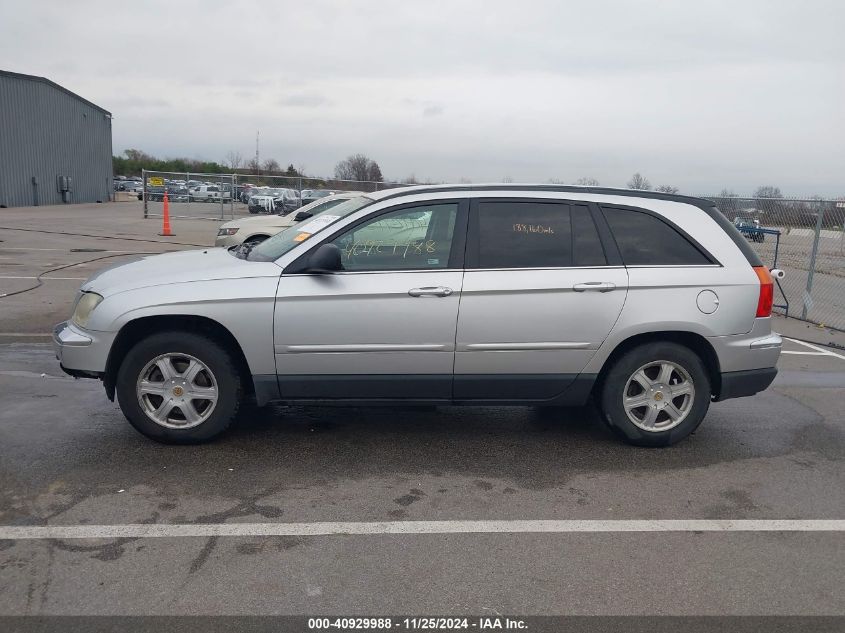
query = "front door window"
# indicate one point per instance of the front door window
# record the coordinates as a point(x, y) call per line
point(409, 239)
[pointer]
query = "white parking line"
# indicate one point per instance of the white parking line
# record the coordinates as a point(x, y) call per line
point(15, 532)
point(819, 351)
point(803, 353)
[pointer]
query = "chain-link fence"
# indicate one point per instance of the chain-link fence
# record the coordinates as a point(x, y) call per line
point(225, 196)
point(190, 196)
point(805, 239)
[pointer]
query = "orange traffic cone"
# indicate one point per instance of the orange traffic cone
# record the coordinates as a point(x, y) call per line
point(165, 228)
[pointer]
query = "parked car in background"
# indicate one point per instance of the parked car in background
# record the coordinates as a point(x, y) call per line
point(273, 201)
point(750, 228)
point(130, 185)
point(256, 230)
point(175, 193)
point(310, 195)
point(209, 193)
point(651, 304)
point(242, 192)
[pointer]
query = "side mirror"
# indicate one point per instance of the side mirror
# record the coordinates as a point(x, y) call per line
point(302, 215)
point(325, 260)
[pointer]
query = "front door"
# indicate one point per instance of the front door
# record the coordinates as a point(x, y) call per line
point(384, 327)
point(538, 299)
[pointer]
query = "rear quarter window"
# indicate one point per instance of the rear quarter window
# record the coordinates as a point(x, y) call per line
point(646, 240)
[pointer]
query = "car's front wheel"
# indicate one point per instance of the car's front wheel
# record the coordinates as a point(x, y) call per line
point(179, 387)
point(655, 394)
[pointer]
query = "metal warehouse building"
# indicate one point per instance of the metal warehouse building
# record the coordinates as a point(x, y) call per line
point(55, 146)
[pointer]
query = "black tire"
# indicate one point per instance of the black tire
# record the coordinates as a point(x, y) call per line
point(615, 383)
point(204, 349)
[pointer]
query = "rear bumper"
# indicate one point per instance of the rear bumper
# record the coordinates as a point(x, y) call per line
point(757, 349)
point(738, 384)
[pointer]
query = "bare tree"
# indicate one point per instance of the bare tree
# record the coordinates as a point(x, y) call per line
point(358, 167)
point(233, 159)
point(728, 203)
point(587, 181)
point(768, 191)
point(411, 180)
point(252, 165)
point(272, 165)
point(638, 181)
point(767, 201)
point(666, 189)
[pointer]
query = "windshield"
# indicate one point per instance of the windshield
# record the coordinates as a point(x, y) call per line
point(273, 248)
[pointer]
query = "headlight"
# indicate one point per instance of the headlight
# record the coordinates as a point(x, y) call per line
point(85, 306)
point(223, 232)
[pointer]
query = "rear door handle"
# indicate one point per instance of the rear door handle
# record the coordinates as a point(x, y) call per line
point(430, 291)
point(595, 286)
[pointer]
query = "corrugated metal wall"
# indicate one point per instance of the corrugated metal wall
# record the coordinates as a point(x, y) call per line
point(45, 133)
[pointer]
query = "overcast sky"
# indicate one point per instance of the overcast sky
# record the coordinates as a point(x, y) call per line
point(701, 95)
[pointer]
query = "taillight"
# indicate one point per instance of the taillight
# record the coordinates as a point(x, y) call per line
point(767, 292)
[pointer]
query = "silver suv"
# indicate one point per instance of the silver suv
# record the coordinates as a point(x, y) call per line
point(651, 304)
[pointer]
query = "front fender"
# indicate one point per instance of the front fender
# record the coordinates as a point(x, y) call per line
point(242, 306)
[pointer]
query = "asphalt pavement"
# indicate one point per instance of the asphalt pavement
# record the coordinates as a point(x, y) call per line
point(68, 458)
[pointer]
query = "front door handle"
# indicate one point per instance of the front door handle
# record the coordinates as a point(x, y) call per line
point(430, 291)
point(595, 286)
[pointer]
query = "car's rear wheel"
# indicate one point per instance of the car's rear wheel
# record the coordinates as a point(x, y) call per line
point(655, 394)
point(178, 388)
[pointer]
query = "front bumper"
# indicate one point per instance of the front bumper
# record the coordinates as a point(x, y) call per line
point(227, 241)
point(81, 352)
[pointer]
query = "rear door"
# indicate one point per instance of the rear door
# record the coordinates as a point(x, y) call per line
point(540, 295)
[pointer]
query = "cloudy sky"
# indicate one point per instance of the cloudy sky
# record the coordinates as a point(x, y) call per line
point(701, 95)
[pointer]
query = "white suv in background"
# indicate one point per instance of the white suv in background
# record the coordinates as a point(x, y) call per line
point(209, 193)
point(258, 229)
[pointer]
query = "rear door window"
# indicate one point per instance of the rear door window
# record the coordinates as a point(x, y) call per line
point(528, 234)
point(534, 234)
point(646, 240)
point(587, 248)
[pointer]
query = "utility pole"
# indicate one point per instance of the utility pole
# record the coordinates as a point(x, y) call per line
point(257, 155)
